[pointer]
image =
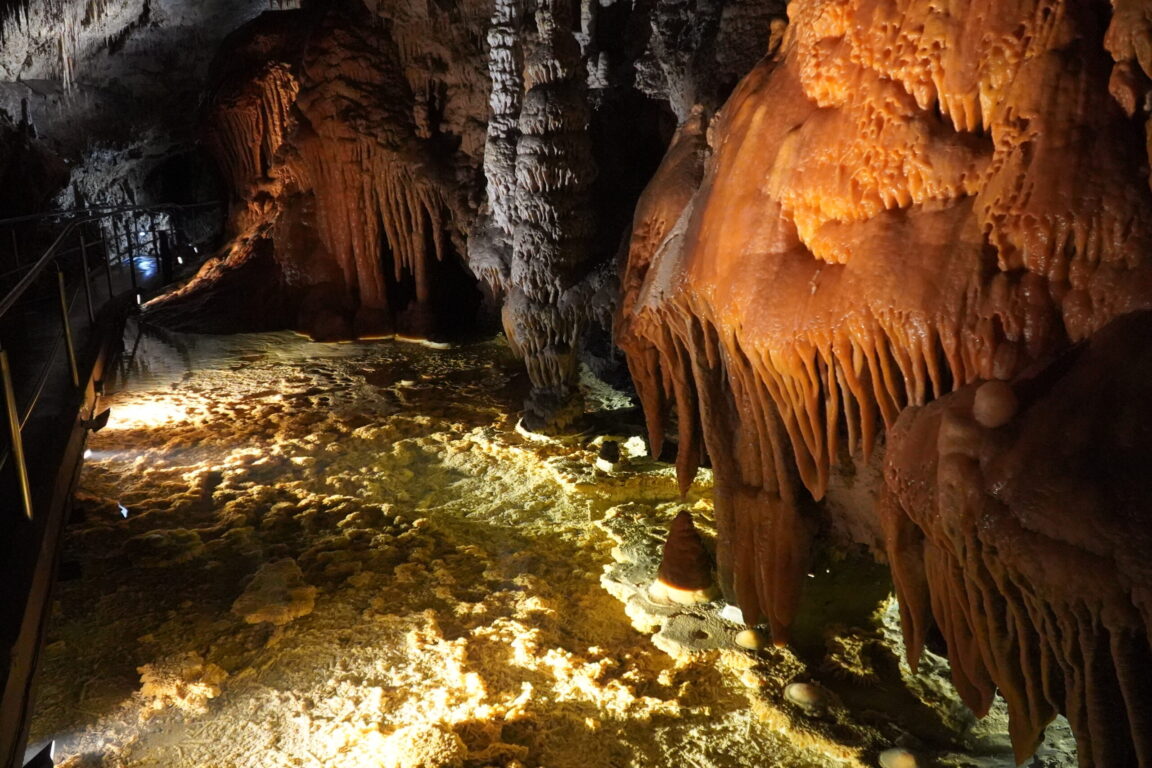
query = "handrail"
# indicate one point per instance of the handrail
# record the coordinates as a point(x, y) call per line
point(18, 417)
point(101, 210)
point(50, 254)
point(72, 249)
point(41, 491)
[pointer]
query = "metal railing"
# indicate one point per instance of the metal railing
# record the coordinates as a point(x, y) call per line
point(127, 247)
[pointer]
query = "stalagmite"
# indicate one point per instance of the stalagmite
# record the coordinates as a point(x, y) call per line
point(907, 198)
point(685, 573)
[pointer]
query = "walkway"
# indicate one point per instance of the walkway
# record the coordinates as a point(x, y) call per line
point(56, 372)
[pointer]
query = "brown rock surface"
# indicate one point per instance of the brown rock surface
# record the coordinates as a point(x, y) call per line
point(686, 564)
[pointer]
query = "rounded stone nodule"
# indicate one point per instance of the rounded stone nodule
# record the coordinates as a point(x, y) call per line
point(897, 757)
point(995, 404)
point(751, 639)
point(808, 696)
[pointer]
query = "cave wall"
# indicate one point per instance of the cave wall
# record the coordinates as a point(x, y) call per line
point(30, 176)
point(111, 88)
point(601, 85)
point(310, 119)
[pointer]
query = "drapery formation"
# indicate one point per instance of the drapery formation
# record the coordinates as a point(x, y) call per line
point(1027, 545)
point(312, 124)
point(909, 197)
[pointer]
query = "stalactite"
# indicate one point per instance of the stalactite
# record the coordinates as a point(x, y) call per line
point(440, 49)
point(71, 25)
point(1032, 561)
point(907, 198)
point(251, 124)
point(312, 130)
point(94, 11)
point(13, 12)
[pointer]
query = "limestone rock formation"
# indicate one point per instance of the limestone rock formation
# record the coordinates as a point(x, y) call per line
point(685, 573)
point(311, 121)
point(184, 681)
point(112, 87)
point(909, 197)
point(277, 594)
point(900, 202)
point(419, 747)
point(521, 159)
point(1027, 544)
point(555, 185)
point(553, 221)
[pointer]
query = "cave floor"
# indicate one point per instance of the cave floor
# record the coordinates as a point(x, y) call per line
point(301, 554)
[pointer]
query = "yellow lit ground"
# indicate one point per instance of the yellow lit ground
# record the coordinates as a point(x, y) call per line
point(345, 555)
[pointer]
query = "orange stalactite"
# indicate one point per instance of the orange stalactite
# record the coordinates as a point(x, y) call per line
point(313, 132)
point(1026, 544)
point(909, 197)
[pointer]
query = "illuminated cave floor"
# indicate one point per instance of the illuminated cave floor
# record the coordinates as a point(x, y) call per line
point(345, 555)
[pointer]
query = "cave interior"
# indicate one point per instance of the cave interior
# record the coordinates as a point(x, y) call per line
point(477, 383)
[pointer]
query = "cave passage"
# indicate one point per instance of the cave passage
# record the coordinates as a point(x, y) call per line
point(879, 273)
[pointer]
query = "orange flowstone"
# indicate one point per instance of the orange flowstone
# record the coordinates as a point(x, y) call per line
point(911, 196)
point(1027, 544)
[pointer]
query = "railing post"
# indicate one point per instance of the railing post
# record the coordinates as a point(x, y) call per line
point(67, 328)
point(107, 263)
point(116, 239)
point(17, 439)
point(156, 247)
point(134, 248)
point(130, 243)
point(167, 273)
point(87, 280)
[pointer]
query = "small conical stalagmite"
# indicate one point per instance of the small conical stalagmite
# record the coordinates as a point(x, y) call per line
point(685, 573)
